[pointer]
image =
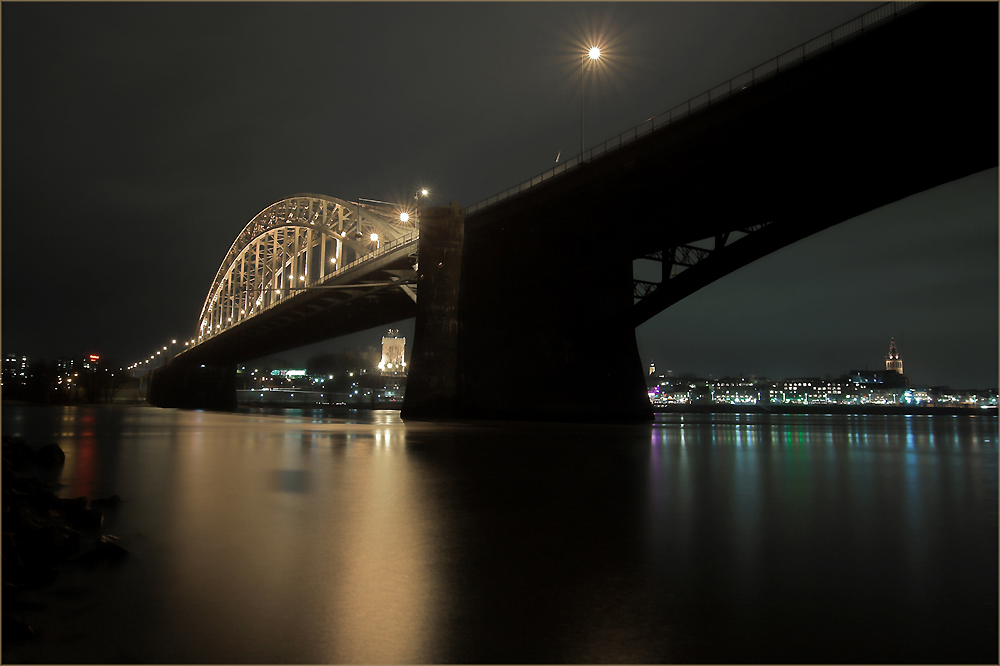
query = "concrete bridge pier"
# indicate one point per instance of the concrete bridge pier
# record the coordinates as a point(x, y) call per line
point(537, 326)
point(433, 385)
point(191, 386)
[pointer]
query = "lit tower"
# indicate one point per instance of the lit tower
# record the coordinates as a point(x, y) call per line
point(892, 361)
point(652, 367)
point(392, 353)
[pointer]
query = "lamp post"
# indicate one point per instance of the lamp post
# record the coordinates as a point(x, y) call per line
point(593, 53)
point(422, 192)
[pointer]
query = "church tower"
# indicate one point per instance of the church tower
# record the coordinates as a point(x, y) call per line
point(893, 361)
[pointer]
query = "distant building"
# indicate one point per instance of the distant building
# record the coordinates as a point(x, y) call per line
point(879, 378)
point(893, 361)
point(806, 391)
point(15, 370)
point(393, 349)
point(736, 391)
point(15, 364)
point(90, 363)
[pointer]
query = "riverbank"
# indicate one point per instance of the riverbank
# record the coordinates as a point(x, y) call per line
point(820, 409)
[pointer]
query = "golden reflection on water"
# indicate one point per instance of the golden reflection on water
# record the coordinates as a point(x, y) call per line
point(365, 562)
point(383, 600)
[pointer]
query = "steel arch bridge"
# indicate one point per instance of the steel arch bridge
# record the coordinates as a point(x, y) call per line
point(300, 243)
point(737, 176)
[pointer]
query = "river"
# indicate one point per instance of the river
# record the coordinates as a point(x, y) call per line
point(291, 536)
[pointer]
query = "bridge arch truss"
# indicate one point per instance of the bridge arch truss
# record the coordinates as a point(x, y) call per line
point(294, 244)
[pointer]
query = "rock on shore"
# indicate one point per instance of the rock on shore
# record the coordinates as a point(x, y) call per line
point(42, 530)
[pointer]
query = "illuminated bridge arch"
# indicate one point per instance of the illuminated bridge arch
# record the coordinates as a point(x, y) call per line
point(293, 244)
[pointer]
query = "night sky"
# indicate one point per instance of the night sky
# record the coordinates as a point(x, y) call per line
point(139, 139)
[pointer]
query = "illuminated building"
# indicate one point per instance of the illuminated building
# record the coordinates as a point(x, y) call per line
point(65, 365)
point(393, 347)
point(90, 362)
point(670, 391)
point(15, 370)
point(652, 367)
point(893, 361)
point(736, 391)
point(15, 364)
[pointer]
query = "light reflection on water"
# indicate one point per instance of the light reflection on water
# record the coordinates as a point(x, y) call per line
point(298, 537)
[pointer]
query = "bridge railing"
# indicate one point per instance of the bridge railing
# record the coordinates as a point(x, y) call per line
point(735, 85)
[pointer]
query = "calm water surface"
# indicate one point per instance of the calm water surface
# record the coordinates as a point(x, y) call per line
point(299, 537)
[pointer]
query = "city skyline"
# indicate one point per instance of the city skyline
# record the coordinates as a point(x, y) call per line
point(175, 138)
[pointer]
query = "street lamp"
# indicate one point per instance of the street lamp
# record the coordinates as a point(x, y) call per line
point(593, 53)
point(422, 192)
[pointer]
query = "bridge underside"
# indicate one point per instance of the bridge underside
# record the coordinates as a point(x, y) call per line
point(373, 295)
point(904, 109)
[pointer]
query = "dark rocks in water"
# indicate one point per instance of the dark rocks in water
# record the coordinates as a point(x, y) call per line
point(50, 455)
point(70, 506)
point(112, 502)
point(28, 577)
point(41, 530)
point(106, 553)
point(88, 519)
point(16, 453)
point(23, 518)
point(16, 629)
point(23, 605)
point(47, 545)
point(10, 549)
